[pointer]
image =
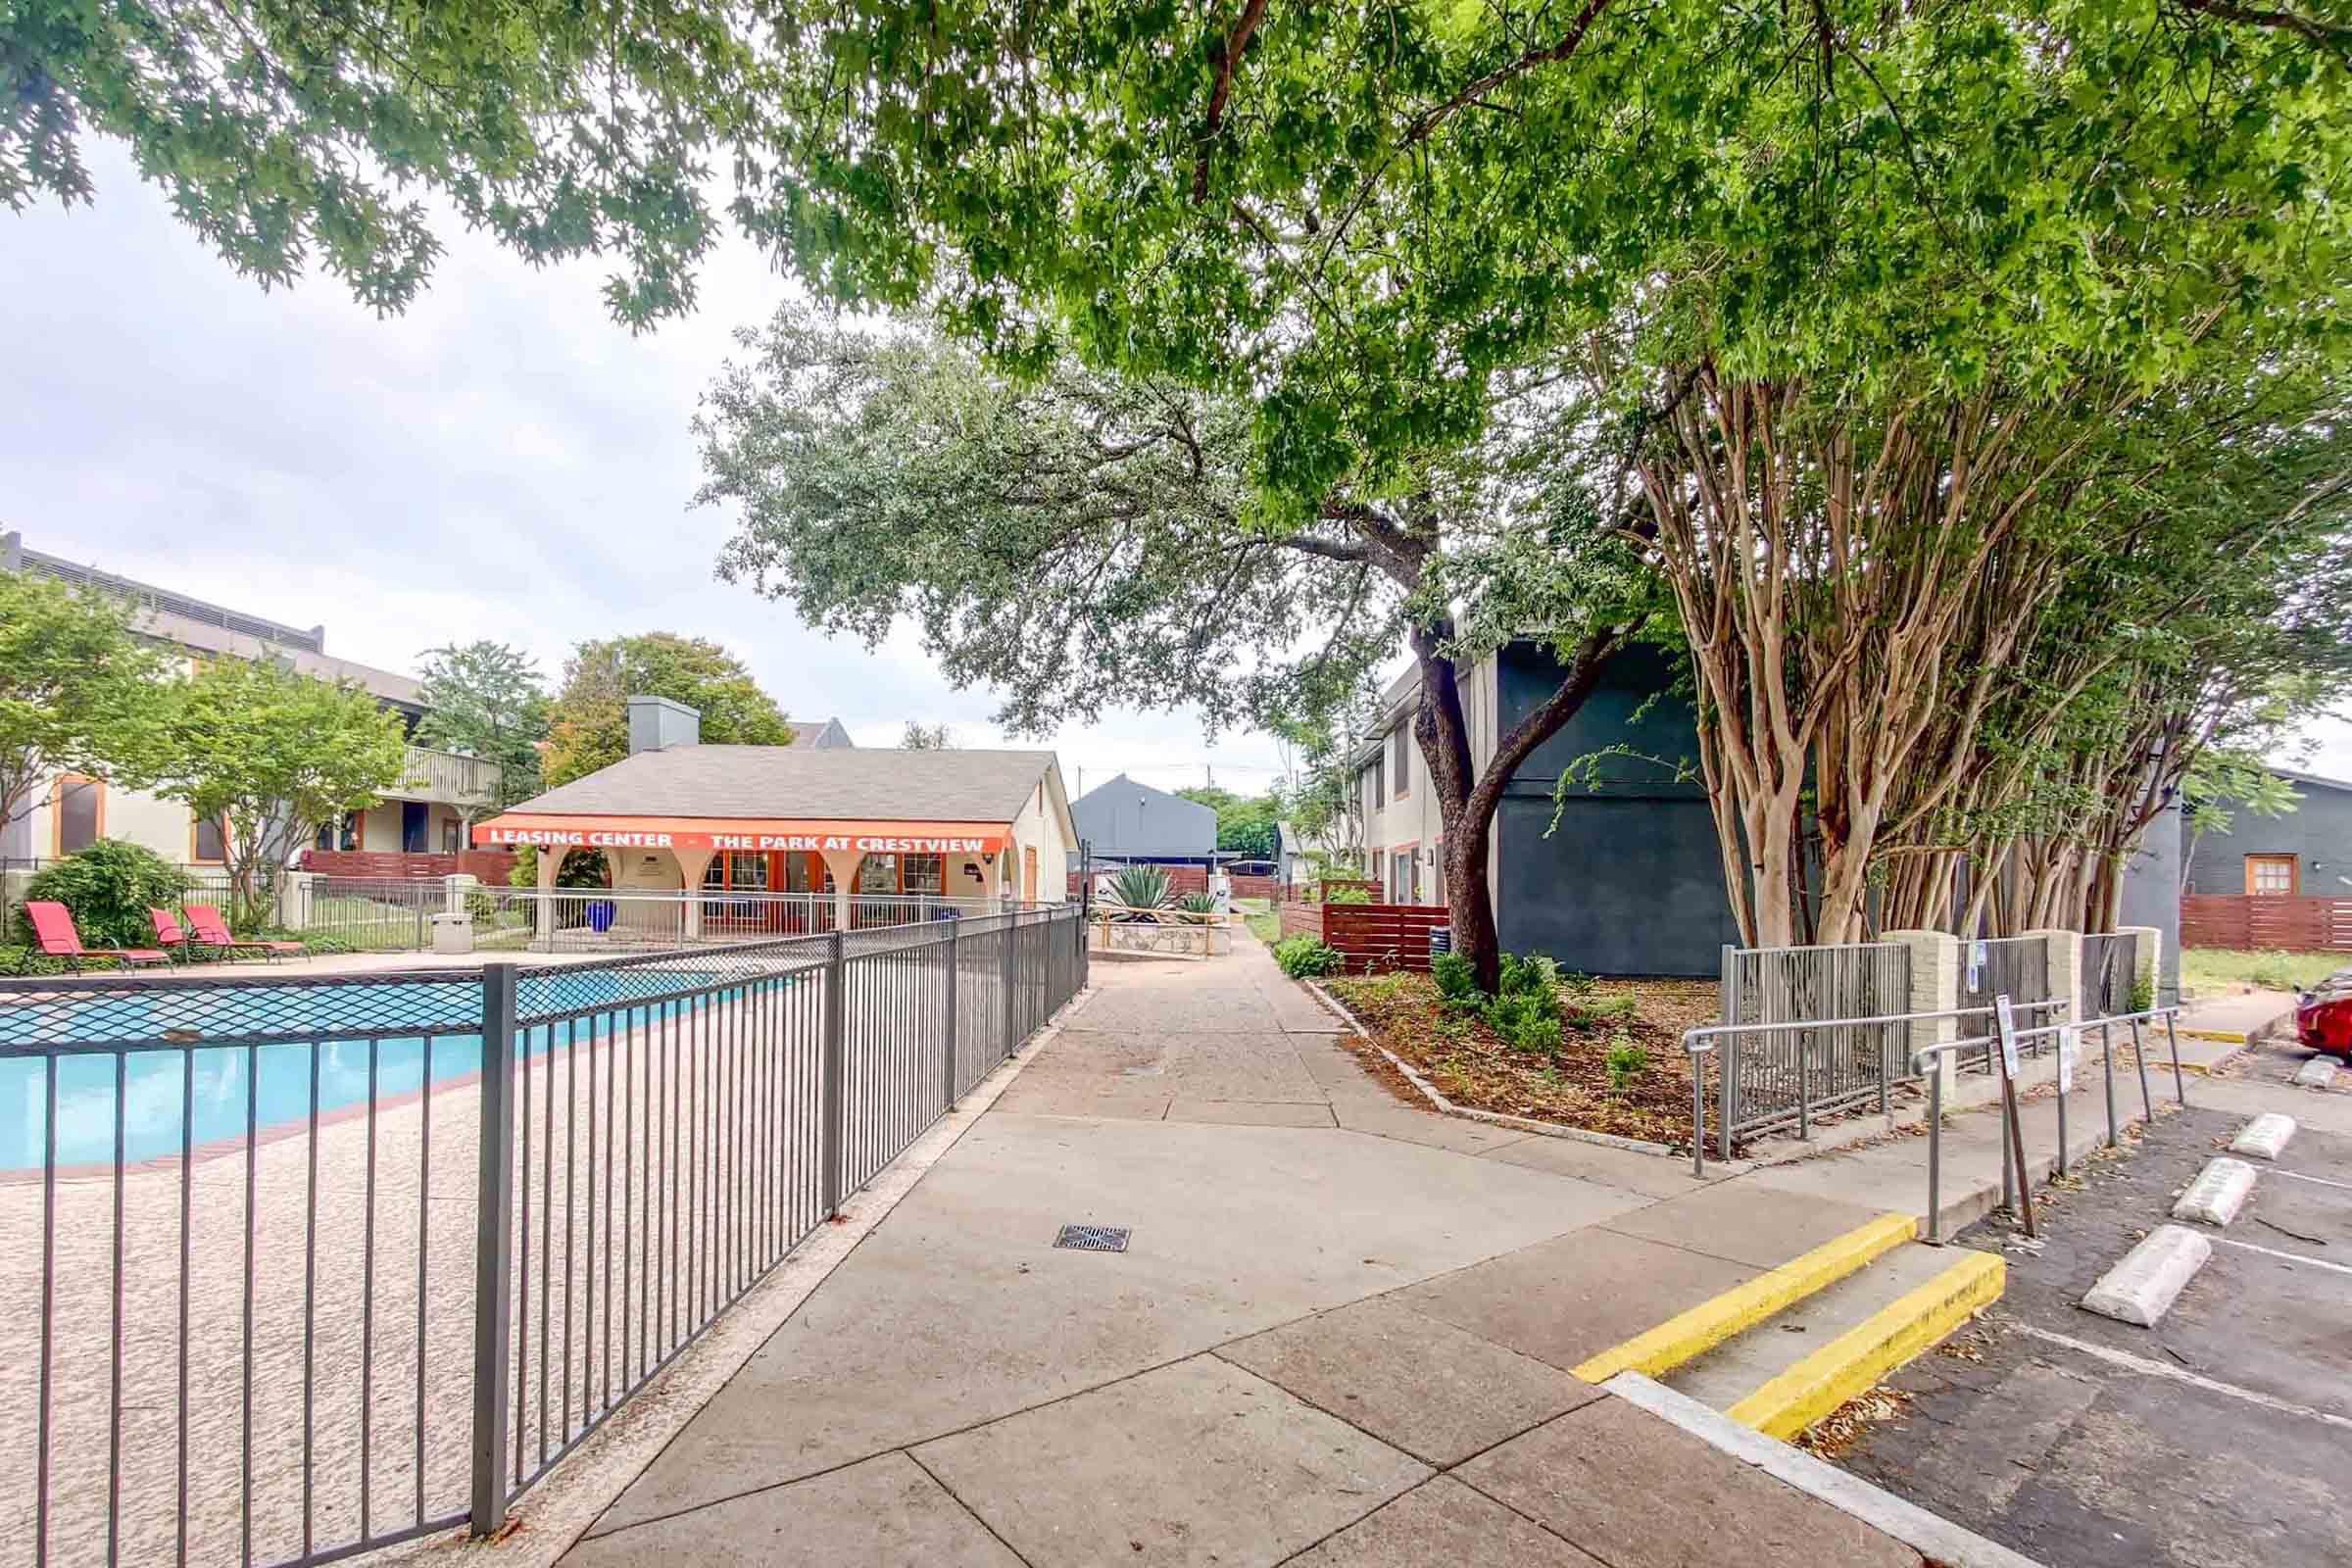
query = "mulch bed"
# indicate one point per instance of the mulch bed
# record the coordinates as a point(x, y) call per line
point(1472, 1067)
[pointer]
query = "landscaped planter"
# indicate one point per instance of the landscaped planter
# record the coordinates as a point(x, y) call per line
point(1189, 941)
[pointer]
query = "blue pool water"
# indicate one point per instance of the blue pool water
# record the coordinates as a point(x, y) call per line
point(157, 1087)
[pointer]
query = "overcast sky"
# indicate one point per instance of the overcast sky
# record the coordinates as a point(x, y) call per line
point(499, 462)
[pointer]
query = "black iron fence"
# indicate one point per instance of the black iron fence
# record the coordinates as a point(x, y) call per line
point(291, 1267)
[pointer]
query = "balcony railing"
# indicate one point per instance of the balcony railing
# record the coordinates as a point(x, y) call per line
point(446, 777)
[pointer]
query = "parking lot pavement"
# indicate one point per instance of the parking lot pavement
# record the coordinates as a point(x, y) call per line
point(2218, 1438)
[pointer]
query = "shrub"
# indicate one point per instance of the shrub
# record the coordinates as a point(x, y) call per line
point(1624, 1060)
point(1585, 1014)
point(1196, 903)
point(1576, 983)
point(110, 887)
point(28, 960)
point(1457, 981)
point(1302, 957)
point(1348, 895)
point(1524, 1008)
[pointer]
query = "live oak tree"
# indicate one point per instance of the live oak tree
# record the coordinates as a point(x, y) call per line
point(1077, 540)
point(274, 754)
point(77, 687)
point(486, 699)
point(588, 720)
point(293, 136)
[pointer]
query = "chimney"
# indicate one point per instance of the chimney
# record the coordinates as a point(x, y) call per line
point(657, 723)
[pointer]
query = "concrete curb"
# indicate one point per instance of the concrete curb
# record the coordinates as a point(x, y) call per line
point(2142, 1286)
point(551, 1518)
point(1858, 1358)
point(1689, 1334)
point(1931, 1536)
point(1495, 1118)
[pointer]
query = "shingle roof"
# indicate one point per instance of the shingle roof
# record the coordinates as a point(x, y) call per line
point(772, 781)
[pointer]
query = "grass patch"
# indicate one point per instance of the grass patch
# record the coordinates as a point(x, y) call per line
point(1261, 917)
point(2216, 971)
point(1643, 1091)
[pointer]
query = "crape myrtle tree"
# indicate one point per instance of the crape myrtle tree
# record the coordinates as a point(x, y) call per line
point(274, 754)
point(1851, 289)
point(1078, 539)
point(79, 687)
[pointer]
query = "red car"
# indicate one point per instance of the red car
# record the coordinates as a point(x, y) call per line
point(2323, 1015)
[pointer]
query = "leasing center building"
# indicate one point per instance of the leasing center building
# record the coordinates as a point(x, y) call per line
point(675, 815)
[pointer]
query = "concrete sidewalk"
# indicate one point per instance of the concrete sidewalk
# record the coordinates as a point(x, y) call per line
point(1341, 1331)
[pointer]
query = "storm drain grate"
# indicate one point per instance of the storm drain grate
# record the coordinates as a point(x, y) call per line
point(1093, 1237)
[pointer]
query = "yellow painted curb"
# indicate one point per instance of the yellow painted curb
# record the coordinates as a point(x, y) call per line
point(1857, 1358)
point(1700, 1329)
point(2228, 1036)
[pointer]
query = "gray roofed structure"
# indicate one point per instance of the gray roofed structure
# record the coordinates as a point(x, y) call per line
point(1124, 820)
point(811, 735)
point(795, 781)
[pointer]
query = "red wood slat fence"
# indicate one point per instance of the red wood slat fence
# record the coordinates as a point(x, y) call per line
point(491, 865)
point(1379, 937)
point(2251, 923)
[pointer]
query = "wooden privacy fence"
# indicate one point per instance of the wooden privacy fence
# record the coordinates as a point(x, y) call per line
point(491, 865)
point(1382, 936)
point(2255, 922)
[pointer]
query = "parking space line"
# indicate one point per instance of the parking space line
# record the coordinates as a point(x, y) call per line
point(2272, 1251)
point(2319, 1180)
point(2141, 1364)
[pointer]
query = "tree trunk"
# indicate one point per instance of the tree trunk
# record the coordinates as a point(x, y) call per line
point(1467, 799)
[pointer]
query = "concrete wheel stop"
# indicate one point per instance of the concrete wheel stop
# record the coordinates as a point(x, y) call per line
point(2142, 1288)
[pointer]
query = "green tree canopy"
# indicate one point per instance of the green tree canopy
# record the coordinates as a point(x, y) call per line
point(274, 754)
point(1245, 822)
point(486, 699)
point(296, 136)
point(1081, 540)
point(79, 688)
point(588, 723)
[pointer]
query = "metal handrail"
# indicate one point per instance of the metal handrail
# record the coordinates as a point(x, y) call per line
point(1701, 1039)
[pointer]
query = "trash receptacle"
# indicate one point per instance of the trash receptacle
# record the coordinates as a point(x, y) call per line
point(454, 932)
point(599, 915)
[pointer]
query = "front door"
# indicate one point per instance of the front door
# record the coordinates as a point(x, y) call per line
point(416, 821)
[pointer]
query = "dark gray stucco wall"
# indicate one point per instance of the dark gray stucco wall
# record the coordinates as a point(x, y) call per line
point(2318, 832)
point(1630, 881)
point(2151, 895)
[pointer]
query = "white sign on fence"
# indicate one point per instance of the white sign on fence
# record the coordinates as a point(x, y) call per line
point(2005, 1024)
point(2070, 1041)
point(1975, 964)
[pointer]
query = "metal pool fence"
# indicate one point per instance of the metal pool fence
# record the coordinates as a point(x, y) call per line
point(293, 1267)
point(2018, 967)
point(1772, 1077)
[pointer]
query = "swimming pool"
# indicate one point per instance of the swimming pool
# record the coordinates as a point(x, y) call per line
point(212, 1083)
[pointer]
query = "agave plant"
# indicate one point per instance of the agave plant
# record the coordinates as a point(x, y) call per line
point(1141, 889)
point(1197, 904)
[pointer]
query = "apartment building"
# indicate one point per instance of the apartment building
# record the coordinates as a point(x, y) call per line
point(424, 813)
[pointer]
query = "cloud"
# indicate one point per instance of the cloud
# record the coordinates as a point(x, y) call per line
point(500, 461)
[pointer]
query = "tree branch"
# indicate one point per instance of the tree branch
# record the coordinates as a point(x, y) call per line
point(1430, 119)
point(1239, 39)
point(2327, 35)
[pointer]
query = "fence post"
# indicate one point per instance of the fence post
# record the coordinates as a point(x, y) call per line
point(1012, 932)
point(2147, 964)
point(1934, 959)
point(2066, 977)
point(493, 1251)
point(954, 983)
point(1728, 1053)
point(835, 1073)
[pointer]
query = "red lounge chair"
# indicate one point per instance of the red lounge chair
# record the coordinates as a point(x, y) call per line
point(169, 933)
point(213, 932)
point(54, 934)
